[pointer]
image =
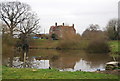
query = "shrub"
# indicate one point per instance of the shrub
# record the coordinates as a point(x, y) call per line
point(9, 40)
point(72, 42)
point(8, 43)
point(98, 46)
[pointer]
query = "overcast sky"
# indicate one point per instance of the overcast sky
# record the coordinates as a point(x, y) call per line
point(82, 13)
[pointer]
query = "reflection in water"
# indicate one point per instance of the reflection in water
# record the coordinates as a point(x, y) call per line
point(72, 60)
point(40, 64)
point(83, 65)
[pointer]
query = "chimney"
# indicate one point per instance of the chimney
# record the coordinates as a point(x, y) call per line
point(63, 24)
point(56, 24)
point(73, 25)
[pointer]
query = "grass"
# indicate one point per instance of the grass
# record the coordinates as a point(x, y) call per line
point(0, 72)
point(44, 43)
point(114, 47)
point(82, 44)
point(27, 73)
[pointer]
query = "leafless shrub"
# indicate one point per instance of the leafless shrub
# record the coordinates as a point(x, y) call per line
point(98, 45)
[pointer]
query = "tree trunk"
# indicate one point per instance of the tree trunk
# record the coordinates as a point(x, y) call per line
point(11, 32)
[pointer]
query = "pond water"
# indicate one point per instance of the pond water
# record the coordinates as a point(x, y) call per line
point(63, 60)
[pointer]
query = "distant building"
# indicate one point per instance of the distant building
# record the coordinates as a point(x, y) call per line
point(40, 36)
point(61, 30)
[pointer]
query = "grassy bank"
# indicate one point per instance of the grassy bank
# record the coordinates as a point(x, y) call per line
point(27, 73)
point(83, 43)
point(114, 47)
point(44, 43)
point(59, 44)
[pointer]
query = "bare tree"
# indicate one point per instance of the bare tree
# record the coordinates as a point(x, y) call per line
point(12, 13)
point(93, 32)
point(112, 29)
point(93, 27)
point(28, 26)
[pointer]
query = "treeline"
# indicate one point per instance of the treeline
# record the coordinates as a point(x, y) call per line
point(93, 39)
point(113, 29)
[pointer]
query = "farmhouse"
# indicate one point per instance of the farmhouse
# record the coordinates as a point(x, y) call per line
point(61, 30)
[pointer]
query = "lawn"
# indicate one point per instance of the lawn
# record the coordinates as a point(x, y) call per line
point(38, 43)
point(114, 47)
point(29, 73)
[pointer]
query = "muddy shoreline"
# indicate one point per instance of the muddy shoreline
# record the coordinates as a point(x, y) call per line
point(115, 72)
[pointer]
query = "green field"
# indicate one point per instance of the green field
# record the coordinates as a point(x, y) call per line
point(27, 73)
point(114, 48)
point(38, 43)
point(114, 45)
point(44, 43)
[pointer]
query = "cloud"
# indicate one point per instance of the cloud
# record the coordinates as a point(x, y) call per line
point(80, 12)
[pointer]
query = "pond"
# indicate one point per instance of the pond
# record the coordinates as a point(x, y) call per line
point(63, 60)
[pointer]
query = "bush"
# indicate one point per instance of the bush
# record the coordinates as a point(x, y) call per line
point(8, 43)
point(72, 42)
point(98, 46)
